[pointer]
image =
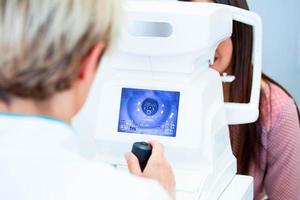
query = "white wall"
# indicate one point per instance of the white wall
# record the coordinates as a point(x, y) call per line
point(281, 59)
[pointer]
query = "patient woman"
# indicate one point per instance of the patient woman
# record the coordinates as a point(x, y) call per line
point(49, 53)
point(269, 149)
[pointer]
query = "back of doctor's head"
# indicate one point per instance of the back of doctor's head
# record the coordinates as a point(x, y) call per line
point(42, 43)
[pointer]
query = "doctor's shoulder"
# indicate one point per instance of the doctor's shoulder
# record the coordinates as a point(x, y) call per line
point(96, 181)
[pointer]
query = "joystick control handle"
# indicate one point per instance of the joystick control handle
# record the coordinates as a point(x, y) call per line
point(142, 150)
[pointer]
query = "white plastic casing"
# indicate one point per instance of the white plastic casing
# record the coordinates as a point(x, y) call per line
point(173, 55)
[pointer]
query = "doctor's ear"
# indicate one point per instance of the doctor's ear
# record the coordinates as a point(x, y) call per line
point(90, 62)
point(223, 56)
point(87, 73)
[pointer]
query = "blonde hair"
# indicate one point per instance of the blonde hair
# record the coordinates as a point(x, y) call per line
point(42, 42)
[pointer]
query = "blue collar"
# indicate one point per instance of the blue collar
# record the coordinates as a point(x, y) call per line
point(32, 116)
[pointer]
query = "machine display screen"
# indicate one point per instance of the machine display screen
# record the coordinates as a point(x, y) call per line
point(150, 112)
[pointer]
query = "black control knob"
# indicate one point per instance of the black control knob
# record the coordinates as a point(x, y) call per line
point(142, 150)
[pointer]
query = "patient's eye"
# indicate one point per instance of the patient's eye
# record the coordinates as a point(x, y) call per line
point(150, 106)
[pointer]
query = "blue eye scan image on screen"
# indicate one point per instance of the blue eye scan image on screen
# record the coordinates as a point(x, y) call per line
point(150, 112)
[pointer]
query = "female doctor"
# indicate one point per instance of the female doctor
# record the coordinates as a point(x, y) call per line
point(49, 53)
point(268, 149)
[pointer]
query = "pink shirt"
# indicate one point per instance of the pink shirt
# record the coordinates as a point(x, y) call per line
point(278, 175)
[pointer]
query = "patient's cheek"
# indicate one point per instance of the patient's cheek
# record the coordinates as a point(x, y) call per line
point(218, 66)
point(203, 1)
point(223, 56)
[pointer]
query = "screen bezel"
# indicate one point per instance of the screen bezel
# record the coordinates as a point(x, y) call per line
point(136, 129)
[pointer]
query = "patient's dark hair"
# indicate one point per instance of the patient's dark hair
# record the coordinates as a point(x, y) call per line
point(249, 135)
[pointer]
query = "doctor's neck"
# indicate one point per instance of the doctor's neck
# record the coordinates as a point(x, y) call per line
point(62, 106)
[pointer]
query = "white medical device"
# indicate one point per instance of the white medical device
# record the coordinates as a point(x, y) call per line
point(157, 85)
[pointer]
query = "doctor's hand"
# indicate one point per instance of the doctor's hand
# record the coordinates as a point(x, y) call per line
point(157, 168)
